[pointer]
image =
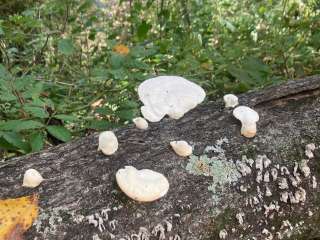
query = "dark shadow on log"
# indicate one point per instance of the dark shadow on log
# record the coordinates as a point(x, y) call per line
point(80, 198)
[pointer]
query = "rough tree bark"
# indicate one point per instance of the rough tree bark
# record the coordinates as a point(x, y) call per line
point(81, 200)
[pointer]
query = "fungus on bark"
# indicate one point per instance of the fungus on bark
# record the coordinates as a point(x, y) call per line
point(108, 143)
point(142, 185)
point(32, 178)
point(248, 118)
point(140, 123)
point(182, 148)
point(230, 100)
point(168, 95)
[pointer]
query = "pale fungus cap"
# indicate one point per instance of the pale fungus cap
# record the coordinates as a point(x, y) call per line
point(168, 95)
point(108, 143)
point(230, 100)
point(248, 118)
point(140, 123)
point(32, 178)
point(182, 148)
point(142, 185)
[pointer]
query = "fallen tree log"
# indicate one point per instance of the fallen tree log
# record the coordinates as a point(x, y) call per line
point(227, 189)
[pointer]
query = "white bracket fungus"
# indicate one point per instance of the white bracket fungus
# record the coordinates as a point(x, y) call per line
point(314, 182)
point(268, 191)
point(108, 143)
point(230, 100)
point(140, 123)
point(32, 178)
point(310, 149)
point(274, 174)
point(239, 217)
point(171, 95)
point(248, 118)
point(284, 197)
point(142, 185)
point(223, 234)
point(283, 183)
point(305, 168)
point(182, 148)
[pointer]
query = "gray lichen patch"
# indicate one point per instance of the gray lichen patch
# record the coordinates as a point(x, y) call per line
point(222, 171)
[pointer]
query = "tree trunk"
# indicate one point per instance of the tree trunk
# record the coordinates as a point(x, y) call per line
point(80, 198)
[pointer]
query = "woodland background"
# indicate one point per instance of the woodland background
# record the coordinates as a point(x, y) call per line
point(70, 67)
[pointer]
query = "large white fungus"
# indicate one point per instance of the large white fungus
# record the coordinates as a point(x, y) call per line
point(142, 185)
point(171, 95)
point(230, 100)
point(182, 148)
point(248, 118)
point(108, 143)
point(140, 123)
point(32, 178)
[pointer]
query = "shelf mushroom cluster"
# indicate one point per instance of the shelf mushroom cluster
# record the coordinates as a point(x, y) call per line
point(165, 95)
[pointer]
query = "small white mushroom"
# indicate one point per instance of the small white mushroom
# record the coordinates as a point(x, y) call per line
point(32, 178)
point(268, 192)
point(248, 118)
point(309, 150)
point(266, 161)
point(259, 177)
point(284, 170)
point(140, 123)
point(284, 197)
point(182, 148)
point(283, 183)
point(243, 188)
point(292, 198)
point(239, 217)
point(108, 143)
point(295, 170)
point(142, 185)
point(300, 195)
point(266, 177)
point(243, 168)
point(223, 234)
point(295, 181)
point(274, 174)
point(314, 182)
point(305, 168)
point(255, 201)
point(230, 100)
point(259, 162)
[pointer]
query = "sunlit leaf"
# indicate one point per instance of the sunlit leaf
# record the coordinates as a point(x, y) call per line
point(17, 216)
point(60, 133)
point(65, 46)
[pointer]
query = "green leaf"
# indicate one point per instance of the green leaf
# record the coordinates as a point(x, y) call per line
point(5, 145)
point(19, 125)
point(116, 61)
point(36, 142)
point(36, 111)
point(143, 30)
point(100, 125)
point(65, 117)
point(15, 140)
point(125, 114)
point(3, 71)
point(59, 132)
point(65, 46)
point(104, 110)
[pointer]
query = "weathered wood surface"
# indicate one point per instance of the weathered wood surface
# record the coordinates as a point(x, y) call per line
point(80, 181)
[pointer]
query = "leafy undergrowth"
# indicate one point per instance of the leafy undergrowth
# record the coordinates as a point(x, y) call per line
point(69, 67)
